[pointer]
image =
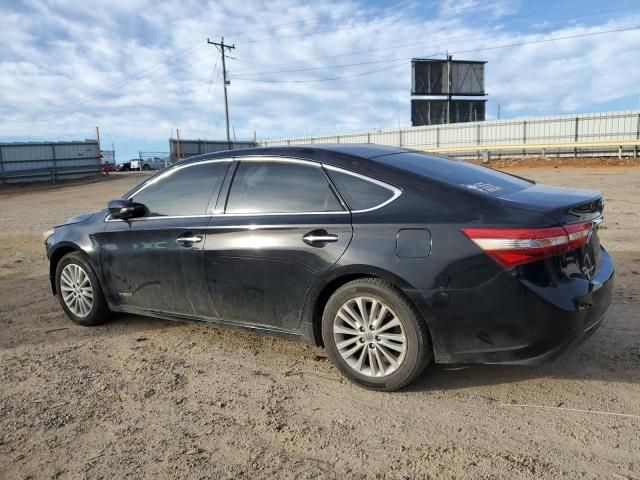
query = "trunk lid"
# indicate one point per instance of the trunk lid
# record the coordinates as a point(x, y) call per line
point(564, 205)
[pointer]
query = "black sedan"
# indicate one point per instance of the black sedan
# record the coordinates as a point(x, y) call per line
point(391, 259)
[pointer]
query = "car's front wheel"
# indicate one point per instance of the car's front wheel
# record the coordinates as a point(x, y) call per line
point(374, 336)
point(79, 292)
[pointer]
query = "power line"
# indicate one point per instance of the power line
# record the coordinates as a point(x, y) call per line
point(71, 107)
point(412, 44)
point(318, 32)
point(494, 47)
point(122, 83)
point(140, 75)
point(68, 108)
point(348, 54)
point(206, 100)
point(143, 74)
point(347, 13)
point(316, 68)
point(215, 86)
point(366, 24)
point(361, 74)
point(546, 40)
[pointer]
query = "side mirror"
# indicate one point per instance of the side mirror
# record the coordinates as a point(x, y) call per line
point(122, 208)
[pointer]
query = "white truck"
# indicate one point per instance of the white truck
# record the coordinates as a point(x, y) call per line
point(150, 163)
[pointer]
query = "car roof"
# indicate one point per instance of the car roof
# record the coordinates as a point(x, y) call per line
point(343, 155)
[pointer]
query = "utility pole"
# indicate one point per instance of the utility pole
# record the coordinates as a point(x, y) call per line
point(221, 46)
point(99, 149)
point(178, 145)
point(449, 86)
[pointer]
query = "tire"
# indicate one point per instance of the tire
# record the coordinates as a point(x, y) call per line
point(146, 167)
point(72, 270)
point(400, 336)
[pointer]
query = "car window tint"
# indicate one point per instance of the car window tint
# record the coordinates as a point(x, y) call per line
point(185, 191)
point(457, 172)
point(280, 187)
point(360, 194)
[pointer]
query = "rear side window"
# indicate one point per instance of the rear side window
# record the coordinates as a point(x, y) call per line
point(457, 172)
point(360, 193)
point(280, 187)
point(183, 191)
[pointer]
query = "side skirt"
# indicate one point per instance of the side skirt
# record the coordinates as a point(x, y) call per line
point(259, 329)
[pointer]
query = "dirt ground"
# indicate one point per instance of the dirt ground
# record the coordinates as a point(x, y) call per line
point(145, 398)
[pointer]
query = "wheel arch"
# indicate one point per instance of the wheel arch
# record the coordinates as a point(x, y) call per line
point(336, 278)
point(56, 255)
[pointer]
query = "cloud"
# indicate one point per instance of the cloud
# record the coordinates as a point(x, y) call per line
point(140, 68)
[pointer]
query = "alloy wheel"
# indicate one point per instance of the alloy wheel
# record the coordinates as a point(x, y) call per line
point(370, 337)
point(76, 290)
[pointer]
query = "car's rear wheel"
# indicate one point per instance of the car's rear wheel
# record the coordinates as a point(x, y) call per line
point(374, 336)
point(79, 292)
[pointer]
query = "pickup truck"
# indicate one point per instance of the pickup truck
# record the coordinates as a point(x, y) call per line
point(151, 163)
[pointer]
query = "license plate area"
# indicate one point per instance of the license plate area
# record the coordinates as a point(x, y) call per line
point(590, 262)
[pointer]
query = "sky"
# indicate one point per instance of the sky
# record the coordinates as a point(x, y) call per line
point(140, 69)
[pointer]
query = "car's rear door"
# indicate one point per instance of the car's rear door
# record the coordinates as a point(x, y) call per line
point(283, 226)
point(155, 262)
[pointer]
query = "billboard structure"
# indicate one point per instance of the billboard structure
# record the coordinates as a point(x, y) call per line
point(434, 112)
point(446, 78)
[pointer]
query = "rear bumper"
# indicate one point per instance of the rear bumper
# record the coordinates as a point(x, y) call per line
point(511, 320)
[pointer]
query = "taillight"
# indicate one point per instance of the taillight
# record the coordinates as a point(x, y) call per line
point(515, 246)
point(578, 234)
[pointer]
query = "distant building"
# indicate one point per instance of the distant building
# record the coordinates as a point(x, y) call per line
point(108, 156)
point(48, 161)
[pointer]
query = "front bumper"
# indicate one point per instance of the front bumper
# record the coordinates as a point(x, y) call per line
point(510, 320)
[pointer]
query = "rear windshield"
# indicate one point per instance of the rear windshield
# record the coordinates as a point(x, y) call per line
point(457, 172)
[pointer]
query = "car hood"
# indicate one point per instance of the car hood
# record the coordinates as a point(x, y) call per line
point(77, 219)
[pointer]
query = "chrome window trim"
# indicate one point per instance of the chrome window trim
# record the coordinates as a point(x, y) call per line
point(167, 217)
point(173, 217)
point(276, 159)
point(271, 214)
point(259, 158)
point(396, 191)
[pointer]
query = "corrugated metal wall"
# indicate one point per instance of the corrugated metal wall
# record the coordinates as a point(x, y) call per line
point(191, 148)
point(580, 129)
point(48, 161)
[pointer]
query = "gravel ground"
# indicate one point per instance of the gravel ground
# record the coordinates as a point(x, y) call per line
point(145, 398)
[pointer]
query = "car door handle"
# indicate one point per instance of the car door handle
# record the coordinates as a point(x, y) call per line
point(315, 238)
point(189, 240)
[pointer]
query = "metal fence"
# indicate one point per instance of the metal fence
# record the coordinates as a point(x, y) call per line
point(607, 133)
point(48, 161)
point(181, 149)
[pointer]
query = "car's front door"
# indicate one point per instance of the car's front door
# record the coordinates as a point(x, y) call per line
point(155, 262)
point(283, 227)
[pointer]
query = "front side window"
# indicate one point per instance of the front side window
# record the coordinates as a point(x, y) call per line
point(359, 193)
point(184, 191)
point(280, 187)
